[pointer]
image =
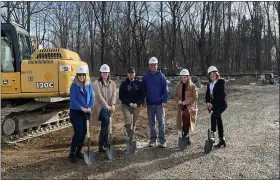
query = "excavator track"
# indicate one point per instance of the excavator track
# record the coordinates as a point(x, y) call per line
point(33, 119)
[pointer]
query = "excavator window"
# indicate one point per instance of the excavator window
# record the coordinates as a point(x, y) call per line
point(7, 59)
point(24, 46)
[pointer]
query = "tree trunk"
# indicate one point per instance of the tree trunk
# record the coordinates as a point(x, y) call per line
point(173, 62)
point(162, 44)
point(103, 32)
point(201, 43)
point(277, 49)
point(28, 17)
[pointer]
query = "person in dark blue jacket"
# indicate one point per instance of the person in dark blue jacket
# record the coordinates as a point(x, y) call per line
point(81, 102)
point(132, 95)
point(155, 86)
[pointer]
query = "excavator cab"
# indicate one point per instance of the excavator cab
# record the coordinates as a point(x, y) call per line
point(15, 46)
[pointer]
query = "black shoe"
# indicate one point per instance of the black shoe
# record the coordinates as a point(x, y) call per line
point(101, 150)
point(222, 142)
point(72, 157)
point(79, 155)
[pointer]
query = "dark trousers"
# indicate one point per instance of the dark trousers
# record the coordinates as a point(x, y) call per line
point(104, 117)
point(216, 120)
point(78, 120)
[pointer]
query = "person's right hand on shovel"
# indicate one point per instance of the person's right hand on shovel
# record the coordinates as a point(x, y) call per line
point(209, 106)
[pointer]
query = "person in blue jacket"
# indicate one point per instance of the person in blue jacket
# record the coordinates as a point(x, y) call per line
point(154, 83)
point(81, 102)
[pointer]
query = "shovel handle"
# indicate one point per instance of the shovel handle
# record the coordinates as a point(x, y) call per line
point(182, 127)
point(88, 134)
point(88, 144)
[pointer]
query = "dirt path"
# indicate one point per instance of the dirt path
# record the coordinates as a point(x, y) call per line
point(252, 132)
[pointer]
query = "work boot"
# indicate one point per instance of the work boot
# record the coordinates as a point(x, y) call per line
point(222, 142)
point(72, 157)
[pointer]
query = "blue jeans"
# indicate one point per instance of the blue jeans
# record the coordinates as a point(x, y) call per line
point(156, 112)
point(104, 117)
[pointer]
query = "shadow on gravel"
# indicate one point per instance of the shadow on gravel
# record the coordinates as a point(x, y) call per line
point(156, 166)
point(125, 165)
point(116, 141)
point(57, 146)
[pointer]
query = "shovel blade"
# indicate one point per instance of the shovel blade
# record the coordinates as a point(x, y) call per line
point(208, 146)
point(111, 152)
point(131, 147)
point(183, 142)
point(89, 157)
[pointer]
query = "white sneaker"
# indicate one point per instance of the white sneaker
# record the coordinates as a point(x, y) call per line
point(163, 145)
point(152, 143)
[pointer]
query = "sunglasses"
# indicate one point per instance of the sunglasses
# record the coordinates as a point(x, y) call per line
point(81, 74)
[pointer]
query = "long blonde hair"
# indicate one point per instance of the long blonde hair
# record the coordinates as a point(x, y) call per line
point(79, 83)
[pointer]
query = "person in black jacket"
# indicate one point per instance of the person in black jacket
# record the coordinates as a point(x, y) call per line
point(132, 95)
point(216, 101)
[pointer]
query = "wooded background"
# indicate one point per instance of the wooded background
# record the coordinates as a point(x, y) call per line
point(237, 37)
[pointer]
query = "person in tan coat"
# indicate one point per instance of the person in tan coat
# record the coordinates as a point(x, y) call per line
point(104, 105)
point(186, 96)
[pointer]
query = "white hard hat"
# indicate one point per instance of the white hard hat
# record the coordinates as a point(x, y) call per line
point(153, 60)
point(104, 68)
point(184, 72)
point(82, 69)
point(212, 68)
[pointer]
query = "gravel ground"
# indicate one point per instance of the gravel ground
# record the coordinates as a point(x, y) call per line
point(251, 125)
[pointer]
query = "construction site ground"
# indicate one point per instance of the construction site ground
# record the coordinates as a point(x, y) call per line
point(251, 125)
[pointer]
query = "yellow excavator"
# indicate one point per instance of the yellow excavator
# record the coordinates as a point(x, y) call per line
point(35, 86)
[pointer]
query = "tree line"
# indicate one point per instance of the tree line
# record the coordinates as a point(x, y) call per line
point(237, 37)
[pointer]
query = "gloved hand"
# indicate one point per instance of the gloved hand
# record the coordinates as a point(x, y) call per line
point(180, 102)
